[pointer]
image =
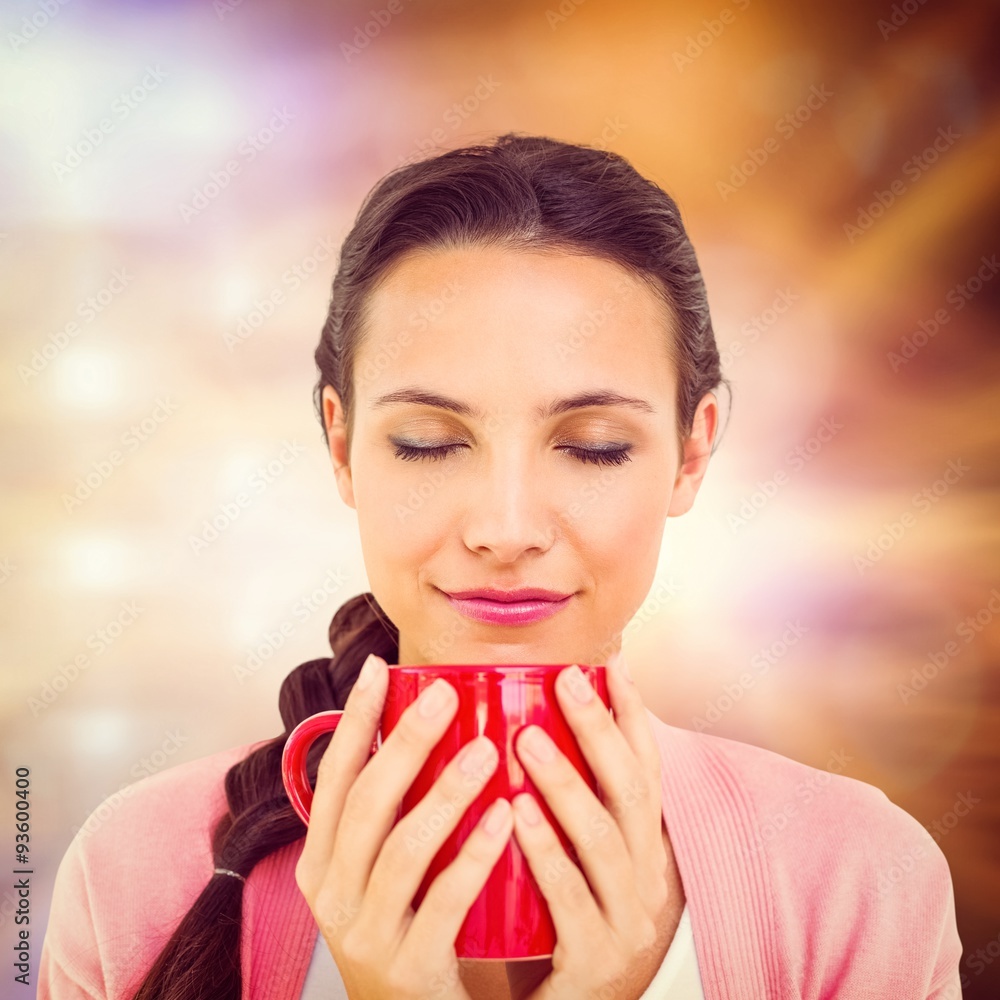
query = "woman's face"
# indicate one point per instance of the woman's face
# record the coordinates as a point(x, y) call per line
point(528, 488)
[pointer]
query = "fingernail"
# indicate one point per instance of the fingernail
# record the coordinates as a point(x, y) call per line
point(368, 670)
point(480, 756)
point(496, 817)
point(434, 698)
point(527, 809)
point(538, 744)
point(578, 685)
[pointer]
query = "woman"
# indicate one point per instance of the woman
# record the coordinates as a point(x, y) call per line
point(517, 386)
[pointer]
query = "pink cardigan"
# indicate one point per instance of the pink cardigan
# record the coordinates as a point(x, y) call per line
point(801, 883)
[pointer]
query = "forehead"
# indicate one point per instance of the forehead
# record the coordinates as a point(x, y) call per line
point(544, 318)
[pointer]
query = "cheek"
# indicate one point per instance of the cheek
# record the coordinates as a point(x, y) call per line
point(400, 521)
point(620, 539)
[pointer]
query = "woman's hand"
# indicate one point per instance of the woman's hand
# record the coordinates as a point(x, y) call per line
point(609, 938)
point(359, 873)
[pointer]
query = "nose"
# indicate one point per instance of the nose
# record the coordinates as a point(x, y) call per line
point(507, 512)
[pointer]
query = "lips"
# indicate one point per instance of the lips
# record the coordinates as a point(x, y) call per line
point(522, 606)
point(509, 596)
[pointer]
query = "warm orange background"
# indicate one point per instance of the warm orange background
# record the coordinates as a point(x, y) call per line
point(838, 244)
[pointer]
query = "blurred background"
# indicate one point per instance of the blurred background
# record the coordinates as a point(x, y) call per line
point(177, 179)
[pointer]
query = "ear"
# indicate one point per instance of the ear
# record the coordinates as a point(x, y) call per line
point(697, 450)
point(336, 432)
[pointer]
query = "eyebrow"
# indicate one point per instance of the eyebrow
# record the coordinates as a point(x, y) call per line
point(594, 397)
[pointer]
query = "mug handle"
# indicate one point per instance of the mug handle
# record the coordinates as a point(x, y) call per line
point(294, 773)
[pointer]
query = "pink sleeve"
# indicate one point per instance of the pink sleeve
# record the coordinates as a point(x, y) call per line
point(946, 983)
point(70, 962)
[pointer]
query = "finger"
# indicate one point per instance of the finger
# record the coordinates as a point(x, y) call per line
point(438, 919)
point(631, 714)
point(591, 829)
point(574, 911)
point(371, 805)
point(342, 761)
point(629, 785)
point(417, 837)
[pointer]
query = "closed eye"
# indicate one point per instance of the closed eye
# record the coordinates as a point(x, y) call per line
point(597, 456)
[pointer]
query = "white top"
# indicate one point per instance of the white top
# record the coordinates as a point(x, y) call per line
point(677, 978)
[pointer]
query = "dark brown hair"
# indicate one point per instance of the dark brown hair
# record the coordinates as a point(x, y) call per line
point(520, 193)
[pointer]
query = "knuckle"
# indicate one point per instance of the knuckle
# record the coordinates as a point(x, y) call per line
point(575, 891)
point(602, 718)
point(635, 790)
point(477, 852)
point(363, 714)
point(358, 803)
point(659, 893)
point(408, 839)
point(335, 916)
point(399, 978)
point(410, 733)
point(655, 767)
point(565, 776)
point(646, 936)
point(440, 984)
point(445, 893)
point(353, 948)
point(423, 829)
point(327, 765)
point(460, 787)
point(303, 876)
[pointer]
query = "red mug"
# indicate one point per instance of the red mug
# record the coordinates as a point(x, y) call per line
point(509, 919)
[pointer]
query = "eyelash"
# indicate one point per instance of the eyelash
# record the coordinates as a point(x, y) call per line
point(609, 456)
